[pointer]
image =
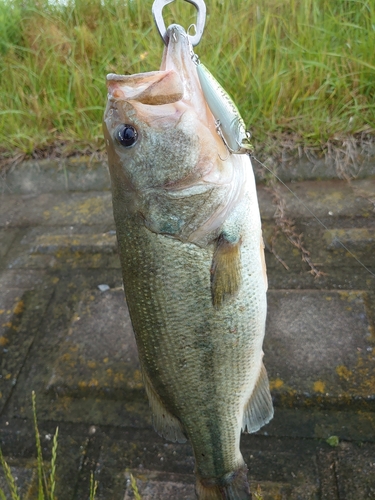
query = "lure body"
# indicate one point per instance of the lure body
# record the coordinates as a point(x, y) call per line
point(230, 124)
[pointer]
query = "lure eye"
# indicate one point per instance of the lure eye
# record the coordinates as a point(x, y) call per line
point(126, 135)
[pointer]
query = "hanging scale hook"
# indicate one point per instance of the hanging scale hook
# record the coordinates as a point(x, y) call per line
point(157, 9)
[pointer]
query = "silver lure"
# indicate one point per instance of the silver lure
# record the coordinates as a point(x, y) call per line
point(229, 122)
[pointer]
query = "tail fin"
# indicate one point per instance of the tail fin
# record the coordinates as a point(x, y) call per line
point(234, 487)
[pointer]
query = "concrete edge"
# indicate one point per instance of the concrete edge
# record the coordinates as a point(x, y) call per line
point(82, 174)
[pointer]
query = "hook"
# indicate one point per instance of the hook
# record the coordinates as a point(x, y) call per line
point(157, 8)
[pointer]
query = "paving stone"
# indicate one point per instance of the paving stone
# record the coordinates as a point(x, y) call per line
point(321, 358)
point(325, 199)
point(329, 255)
point(38, 369)
point(364, 187)
point(156, 490)
point(339, 212)
point(82, 174)
point(347, 246)
point(290, 467)
point(151, 489)
point(11, 306)
point(298, 166)
point(83, 399)
point(99, 355)
point(143, 449)
point(45, 176)
point(66, 247)
point(25, 279)
point(7, 237)
point(18, 329)
point(125, 413)
point(312, 422)
point(320, 349)
point(91, 243)
point(350, 237)
point(352, 278)
point(283, 468)
point(327, 475)
point(51, 209)
point(355, 469)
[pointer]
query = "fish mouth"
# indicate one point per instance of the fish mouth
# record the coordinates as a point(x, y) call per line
point(176, 81)
point(158, 87)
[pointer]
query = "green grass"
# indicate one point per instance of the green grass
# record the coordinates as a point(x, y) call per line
point(301, 70)
point(258, 493)
point(134, 487)
point(46, 479)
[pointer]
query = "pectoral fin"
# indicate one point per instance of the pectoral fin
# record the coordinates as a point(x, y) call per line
point(225, 270)
point(259, 409)
point(165, 424)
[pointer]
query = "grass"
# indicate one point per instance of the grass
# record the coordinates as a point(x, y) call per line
point(299, 70)
point(258, 493)
point(134, 487)
point(46, 481)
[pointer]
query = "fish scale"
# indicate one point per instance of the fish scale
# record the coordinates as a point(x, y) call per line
point(193, 269)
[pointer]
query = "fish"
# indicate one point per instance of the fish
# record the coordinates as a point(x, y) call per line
point(192, 257)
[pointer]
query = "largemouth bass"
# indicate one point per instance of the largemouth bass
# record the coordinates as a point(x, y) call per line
point(192, 257)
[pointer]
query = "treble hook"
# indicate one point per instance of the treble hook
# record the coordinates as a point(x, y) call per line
point(157, 8)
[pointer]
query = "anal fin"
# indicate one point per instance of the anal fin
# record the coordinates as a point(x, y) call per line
point(259, 409)
point(225, 270)
point(165, 424)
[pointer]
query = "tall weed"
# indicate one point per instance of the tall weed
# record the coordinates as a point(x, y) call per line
point(46, 482)
point(301, 69)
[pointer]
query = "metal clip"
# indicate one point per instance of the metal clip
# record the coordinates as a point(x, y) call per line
point(157, 8)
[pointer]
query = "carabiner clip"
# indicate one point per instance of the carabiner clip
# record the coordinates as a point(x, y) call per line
point(157, 8)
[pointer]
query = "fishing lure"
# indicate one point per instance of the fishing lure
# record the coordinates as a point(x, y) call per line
point(229, 123)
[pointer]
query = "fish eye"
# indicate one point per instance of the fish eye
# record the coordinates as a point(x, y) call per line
point(126, 135)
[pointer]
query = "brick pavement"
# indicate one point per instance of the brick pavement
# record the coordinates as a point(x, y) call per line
point(65, 333)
